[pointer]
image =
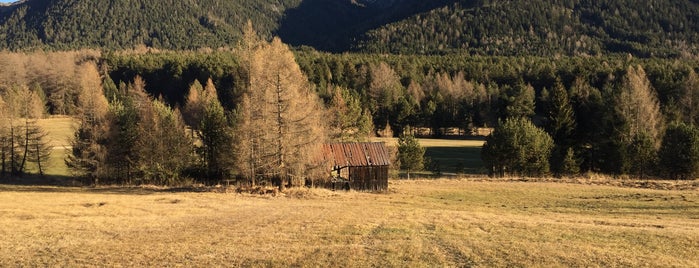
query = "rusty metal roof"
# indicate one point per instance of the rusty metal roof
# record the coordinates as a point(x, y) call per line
point(357, 154)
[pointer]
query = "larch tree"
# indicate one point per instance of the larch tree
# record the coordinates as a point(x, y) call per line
point(348, 121)
point(5, 148)
point(638, 106)
point(86, 154)
point(384, 92)
point(21, 107)
point(689, 100)
point(280, 119)
point(215, 133)
point(194, 107)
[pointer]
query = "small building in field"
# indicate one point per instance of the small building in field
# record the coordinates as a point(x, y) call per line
point(360, 166)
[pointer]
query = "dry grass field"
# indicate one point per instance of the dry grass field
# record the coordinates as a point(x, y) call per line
point(416, 224)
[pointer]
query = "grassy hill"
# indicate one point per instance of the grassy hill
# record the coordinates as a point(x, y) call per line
point(486, 27)
point(452, 223)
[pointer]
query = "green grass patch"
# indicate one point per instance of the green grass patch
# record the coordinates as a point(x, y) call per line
point(459, 156)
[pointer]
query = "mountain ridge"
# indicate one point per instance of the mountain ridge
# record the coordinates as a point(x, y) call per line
point(483, 27)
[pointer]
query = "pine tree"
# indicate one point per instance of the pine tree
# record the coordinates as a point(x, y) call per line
point(679, 152)
point(561, 125)
point(217, 141)
point(517, 147)
point(410, 154)
point(518, 101)
point(560, 116)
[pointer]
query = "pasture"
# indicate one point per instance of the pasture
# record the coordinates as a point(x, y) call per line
point(449, 155)
point(60, 132)
point(416, 224)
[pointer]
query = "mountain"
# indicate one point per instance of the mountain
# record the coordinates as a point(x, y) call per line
point(484, 27)
point(543, 27)
point(190, 24)
point(115, 24)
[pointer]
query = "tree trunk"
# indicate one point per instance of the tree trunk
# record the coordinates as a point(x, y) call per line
point(38, 159)
point(2, 156)
point(13, 166)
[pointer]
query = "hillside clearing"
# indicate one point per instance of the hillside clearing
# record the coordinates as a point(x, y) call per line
point(418, 223)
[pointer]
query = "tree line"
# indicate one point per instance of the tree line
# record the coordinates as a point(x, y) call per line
point(273, 135)
point(592, 108)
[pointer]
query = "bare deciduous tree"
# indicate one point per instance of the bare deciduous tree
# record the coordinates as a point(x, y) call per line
point(638, 105)
point(280, 118)
point(690, 99)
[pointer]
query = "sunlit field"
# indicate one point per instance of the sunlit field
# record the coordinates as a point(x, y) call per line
point(447, 156)
point(416, 224)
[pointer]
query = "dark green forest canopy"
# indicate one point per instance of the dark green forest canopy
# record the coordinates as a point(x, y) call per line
point(476, 27)
point(572, 27)
point(169, 74)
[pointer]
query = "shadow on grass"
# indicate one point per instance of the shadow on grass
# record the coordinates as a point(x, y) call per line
point(69, 184)
point(465, 160)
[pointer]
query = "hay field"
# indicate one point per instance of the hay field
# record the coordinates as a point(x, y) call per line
point(417, 224)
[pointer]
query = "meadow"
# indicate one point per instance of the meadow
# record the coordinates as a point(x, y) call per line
point(447, 156)
point(418, 223)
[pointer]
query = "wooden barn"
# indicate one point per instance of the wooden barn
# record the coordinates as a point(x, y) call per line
point(360, 166)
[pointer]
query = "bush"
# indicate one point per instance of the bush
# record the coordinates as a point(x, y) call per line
point(679, 152)
point(517, 147)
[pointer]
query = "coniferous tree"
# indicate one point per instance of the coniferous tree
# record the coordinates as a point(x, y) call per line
point(280, 119)
point(410, 154)
point(384, 92)
point(561, 125)
point(38, 147)
point(87, 153)
point(517, 147)
point(689, 100)
point(679, 152)
point(217, 140)
point(518, 101)
point(346, 117)
point(638, 108)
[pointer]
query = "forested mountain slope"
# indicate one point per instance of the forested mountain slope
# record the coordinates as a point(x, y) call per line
point(485, 27)
point(538, 27)
point(115, 24)
point(188, 24)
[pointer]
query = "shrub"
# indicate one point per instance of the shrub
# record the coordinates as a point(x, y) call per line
point(517, 147)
